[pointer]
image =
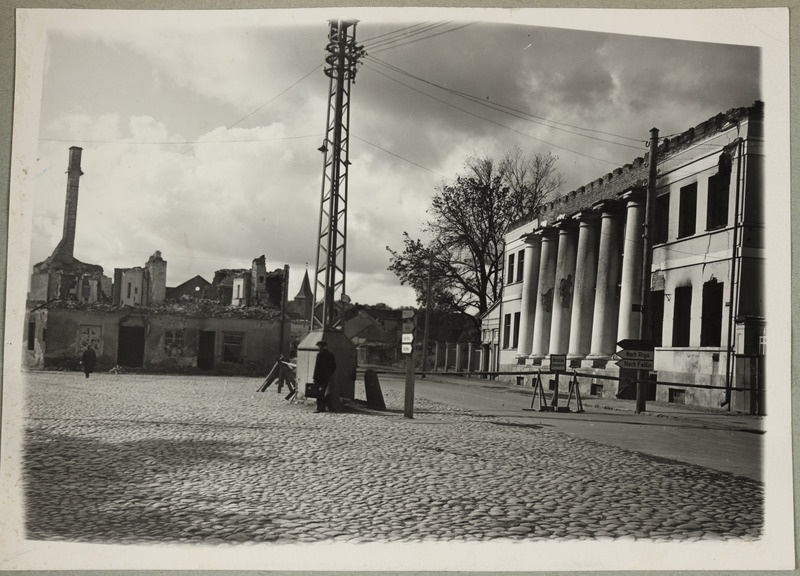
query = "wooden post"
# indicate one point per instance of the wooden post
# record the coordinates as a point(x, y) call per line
point(408, 411)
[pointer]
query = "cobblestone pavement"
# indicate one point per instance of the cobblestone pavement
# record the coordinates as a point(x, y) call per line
point(137, 459)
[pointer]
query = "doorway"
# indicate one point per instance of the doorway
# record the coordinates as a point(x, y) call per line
point(205, 350)
point(130, 352)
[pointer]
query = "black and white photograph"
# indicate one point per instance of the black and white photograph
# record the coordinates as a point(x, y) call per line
point(423, 289)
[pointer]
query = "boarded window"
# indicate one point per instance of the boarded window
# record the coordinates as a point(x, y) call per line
point(682, 316)
point(661, 222)
point(717, 208)
point(510, 275)
point(516, 329)
point(688, 211)
point(520, 264)
point(506, 331)
point(711, 322)
point(232, 346)
point(173, 342)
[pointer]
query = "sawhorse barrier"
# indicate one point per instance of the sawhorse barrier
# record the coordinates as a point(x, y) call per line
point(574, 390)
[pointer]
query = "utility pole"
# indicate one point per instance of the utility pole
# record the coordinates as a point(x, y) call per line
point(427, 312)
point(341, 60)
point(645, 327)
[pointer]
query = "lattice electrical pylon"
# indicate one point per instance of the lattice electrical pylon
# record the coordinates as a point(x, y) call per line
point(342, 57)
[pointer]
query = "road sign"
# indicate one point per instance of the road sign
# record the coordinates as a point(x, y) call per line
point(408, 338)
point(407, 313)
point(636, 364)
point(636, 344)
point(406, 348)
point(408, 326)
point(644, 355)
point(558, 362)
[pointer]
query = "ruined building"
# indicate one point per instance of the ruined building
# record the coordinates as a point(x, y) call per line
point(131, 323)
point(62, 276)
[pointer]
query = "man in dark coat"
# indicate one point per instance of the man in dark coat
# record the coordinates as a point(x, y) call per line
point(88, 360)
point(324, 368)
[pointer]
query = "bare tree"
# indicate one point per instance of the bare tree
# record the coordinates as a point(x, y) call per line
point(467, 227)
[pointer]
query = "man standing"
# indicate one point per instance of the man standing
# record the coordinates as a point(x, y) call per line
point(324, 368)
point(88, 360)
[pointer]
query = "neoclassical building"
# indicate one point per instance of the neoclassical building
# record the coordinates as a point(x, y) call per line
point(573, 277)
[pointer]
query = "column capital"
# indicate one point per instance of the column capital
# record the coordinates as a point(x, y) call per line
point(566, 225)
point(531, 238)
point(587, 217)
point(609, 208)
point(633, 196)
point(546, 232)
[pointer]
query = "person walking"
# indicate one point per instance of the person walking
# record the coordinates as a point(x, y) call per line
point(88, 360)
point(324, 368)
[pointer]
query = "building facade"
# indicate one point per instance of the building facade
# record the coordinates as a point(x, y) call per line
point(573, 277)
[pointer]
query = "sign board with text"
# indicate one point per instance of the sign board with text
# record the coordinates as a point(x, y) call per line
point(407, 348)
point(636, 364)
point(407, 313)
point(644, 355)
point(630, 344)
point(408, 338)
point(408, 326)
point(558, 362)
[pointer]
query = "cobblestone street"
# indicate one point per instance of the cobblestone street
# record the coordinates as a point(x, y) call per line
point(136, 459)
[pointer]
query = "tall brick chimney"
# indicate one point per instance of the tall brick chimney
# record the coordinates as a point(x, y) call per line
point(64, 250)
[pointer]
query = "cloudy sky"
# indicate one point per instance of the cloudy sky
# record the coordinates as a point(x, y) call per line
point(200, 130)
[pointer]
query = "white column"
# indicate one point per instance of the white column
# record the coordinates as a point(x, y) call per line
point(580, 334)
point(606, 305)
point(631, 295)
point(564, 287)
point(530, 284)
point(544, 296)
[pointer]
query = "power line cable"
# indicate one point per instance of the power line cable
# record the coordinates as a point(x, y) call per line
point(424, 38)
point(397, 156)
point(492, 121)
point(498, 106)
point(405, 37)
point(392, 33)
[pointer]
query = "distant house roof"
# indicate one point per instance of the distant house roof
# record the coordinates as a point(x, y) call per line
point(193, 287)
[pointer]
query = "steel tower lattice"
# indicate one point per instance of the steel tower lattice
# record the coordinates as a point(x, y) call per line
point(342, 57)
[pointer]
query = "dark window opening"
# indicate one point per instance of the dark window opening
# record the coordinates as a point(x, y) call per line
point(717, 208)
point(232, 346)
point(506, 330)
point(516, 328)
point(677, 396)
point(661, 224)
point(86, 288)
point(520, 264)
point(596, 390)
point(510, 276)
point(657, 316)
point(711, 321)
point(129, 290)
point(682, 316)
point(688, 211)
point(31, 334)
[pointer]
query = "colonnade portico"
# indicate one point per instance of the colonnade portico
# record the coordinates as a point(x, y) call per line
point(586, 273)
